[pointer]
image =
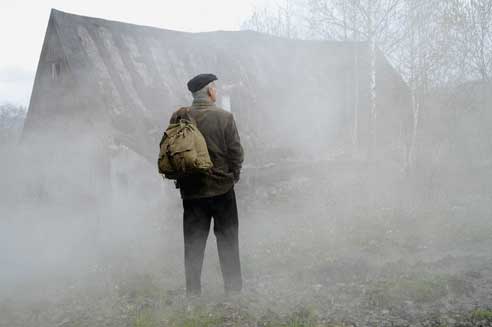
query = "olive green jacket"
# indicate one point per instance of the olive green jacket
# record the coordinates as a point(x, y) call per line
point(219, 130)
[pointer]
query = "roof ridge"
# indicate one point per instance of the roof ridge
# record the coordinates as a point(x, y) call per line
point(60, 15)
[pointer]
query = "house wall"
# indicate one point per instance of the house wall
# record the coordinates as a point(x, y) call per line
point(66, 146)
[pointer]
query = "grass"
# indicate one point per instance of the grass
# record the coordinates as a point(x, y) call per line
point(227, 316)
point(235, 317)
point(419, 290)
point(178, 318)
point(303, 318)
point(481, 314)
point(145, 318)
point(196, 318)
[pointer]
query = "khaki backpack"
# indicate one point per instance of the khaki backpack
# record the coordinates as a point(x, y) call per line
point(183, 150)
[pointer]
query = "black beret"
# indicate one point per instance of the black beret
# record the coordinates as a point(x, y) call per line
point(199, 81)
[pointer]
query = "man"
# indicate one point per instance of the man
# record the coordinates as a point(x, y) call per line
point(212, 194)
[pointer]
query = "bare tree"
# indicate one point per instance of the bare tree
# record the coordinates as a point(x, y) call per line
point(432, 43)
point(474, 17)
point(448, 43)
point(414, 62)
point(280, 20)
point(425, 57)
point(372, 21)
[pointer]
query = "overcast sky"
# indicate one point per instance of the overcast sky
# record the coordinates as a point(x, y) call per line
point(23, 25)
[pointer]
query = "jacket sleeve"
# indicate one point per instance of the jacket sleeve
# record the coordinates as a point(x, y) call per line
point(235, 153)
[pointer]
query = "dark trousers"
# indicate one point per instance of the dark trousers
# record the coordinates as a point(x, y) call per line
point(197, 216)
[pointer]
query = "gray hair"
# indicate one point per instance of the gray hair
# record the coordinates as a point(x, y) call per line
point(202, 93)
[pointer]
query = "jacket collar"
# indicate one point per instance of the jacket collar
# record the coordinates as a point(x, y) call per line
point(202, 103)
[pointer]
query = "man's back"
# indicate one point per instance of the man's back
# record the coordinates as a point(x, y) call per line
point(219, 130)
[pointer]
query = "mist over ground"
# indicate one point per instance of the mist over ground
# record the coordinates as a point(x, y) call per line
point(354, 246)
point(321, 242)
point(358, 205)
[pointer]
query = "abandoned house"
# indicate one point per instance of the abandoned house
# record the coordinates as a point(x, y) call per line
point(104, 92)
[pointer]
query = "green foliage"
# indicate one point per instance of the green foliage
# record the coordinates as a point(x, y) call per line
point(302, 318)
point(219, 316)
point(305, 317)
point(481, 314)
point(421, 290)
point(145, 318)
point(196, 318)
